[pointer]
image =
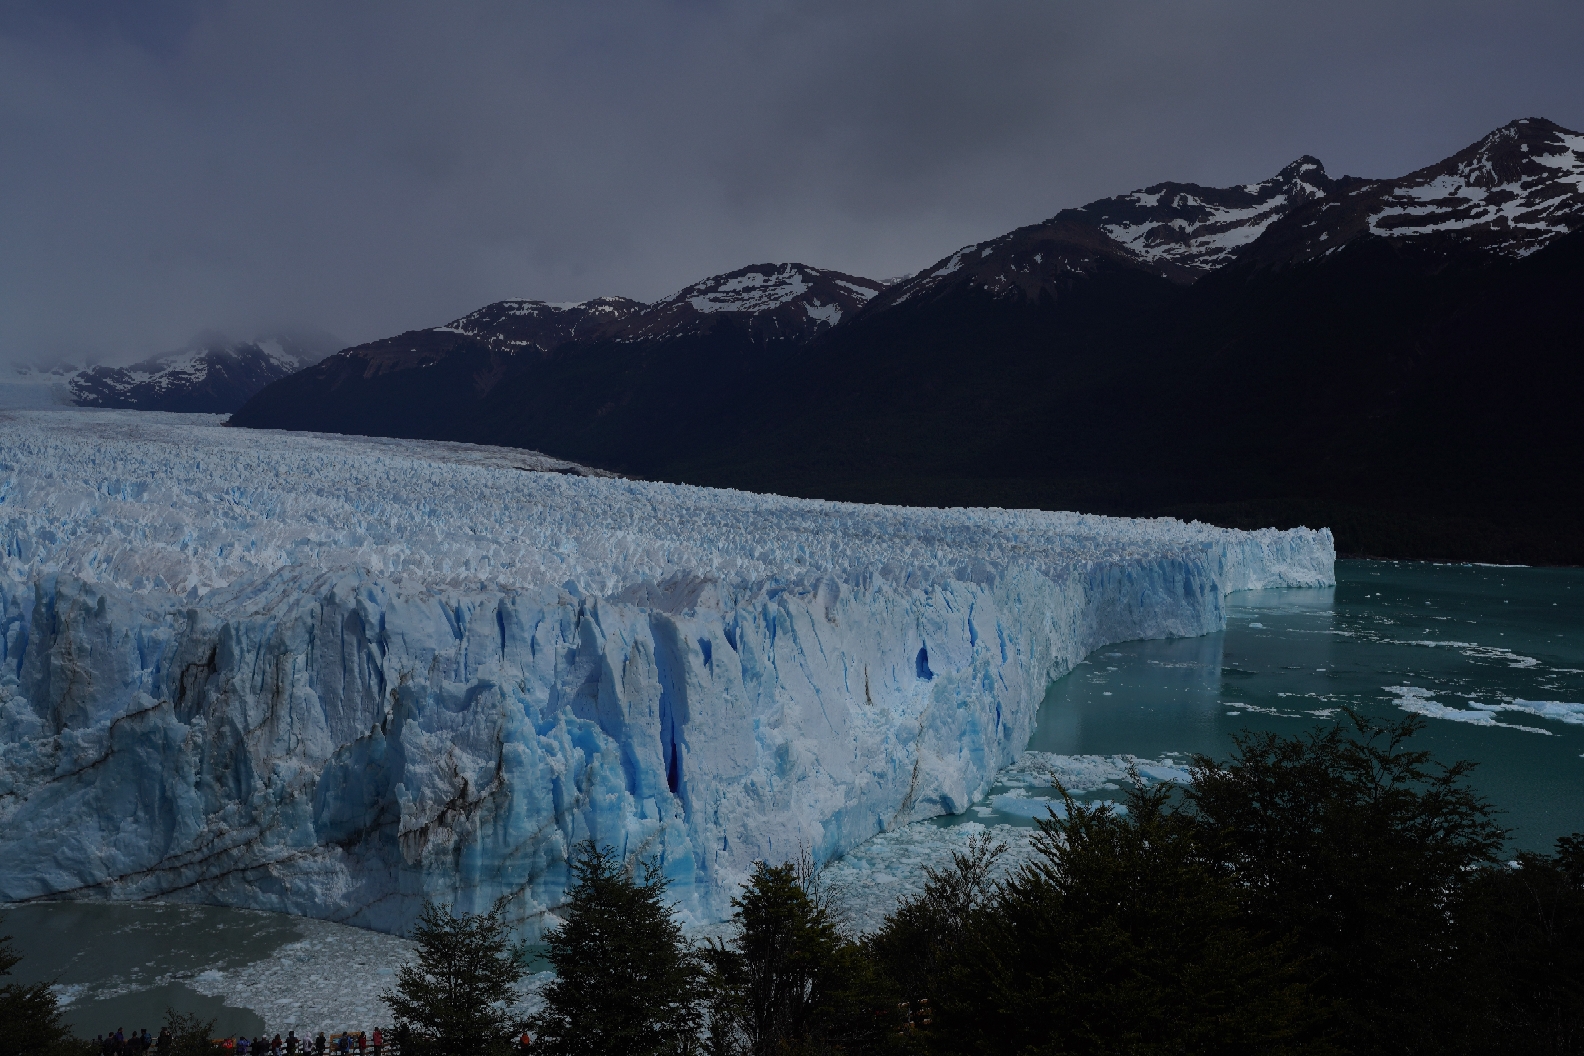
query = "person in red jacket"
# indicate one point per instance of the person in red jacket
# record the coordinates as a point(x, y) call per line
point(378, 1041)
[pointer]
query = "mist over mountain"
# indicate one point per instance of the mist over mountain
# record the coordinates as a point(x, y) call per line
point(213, 375)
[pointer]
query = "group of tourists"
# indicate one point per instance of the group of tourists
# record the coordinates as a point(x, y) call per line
point(118, 1044)
point(342, 1044)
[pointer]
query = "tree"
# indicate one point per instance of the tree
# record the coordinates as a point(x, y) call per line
point(30, 1018)
point(626, 983)
point(1322, 892)
point(789, 982)
point(1121, 936)
point(190, 1035)
point(1358, 852)
point(919, 942)
point(1521, 945)
point(457, 999)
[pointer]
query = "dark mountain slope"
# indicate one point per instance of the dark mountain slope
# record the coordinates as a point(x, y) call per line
point(631, 406)
point(1421, 400)
point(518, 372)
point(903, 406)
point(696, 400)
point(666, 383)
point(1411, 386)
point(426, 384)
point(1418, 402)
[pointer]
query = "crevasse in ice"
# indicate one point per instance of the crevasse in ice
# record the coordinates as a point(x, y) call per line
point(336, 676)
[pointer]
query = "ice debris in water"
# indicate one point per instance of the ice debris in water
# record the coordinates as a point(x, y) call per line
point(330, 979)
point(1418, 701)
point(1080, 774)
point(872, 879)
point(335, 676)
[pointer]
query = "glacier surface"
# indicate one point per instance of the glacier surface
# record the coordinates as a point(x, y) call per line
point(335, 676)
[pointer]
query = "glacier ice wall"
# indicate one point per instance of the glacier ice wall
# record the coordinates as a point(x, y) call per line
point(334, 676)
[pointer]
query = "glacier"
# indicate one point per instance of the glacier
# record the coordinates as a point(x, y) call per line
point(335, 676)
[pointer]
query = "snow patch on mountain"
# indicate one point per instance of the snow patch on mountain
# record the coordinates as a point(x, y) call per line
point(864, 293)
point(1203, 228)
point(1203, 244)
point(336, 677)
point(775, 301)
point(1176, 230)
point(750, 292)
point(955, 261)
point(519, 325)
point(1521, 189)
point(829, 314)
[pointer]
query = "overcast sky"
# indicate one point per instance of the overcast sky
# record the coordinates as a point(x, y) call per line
point(369, 168)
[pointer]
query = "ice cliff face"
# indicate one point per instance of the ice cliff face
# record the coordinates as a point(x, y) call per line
point(335, 676)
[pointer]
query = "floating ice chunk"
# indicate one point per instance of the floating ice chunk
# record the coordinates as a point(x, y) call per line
point(1019, 804)
point(1544, 709)
point(1419, 701)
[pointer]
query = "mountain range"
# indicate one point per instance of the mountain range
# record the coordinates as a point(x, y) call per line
point(213, 375)
point(1397, 359)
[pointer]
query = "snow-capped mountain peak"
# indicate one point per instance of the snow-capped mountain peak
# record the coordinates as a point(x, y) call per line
point(1178, 231)
point(1518, 187)
point(1201, 228)
point(751, 291)
point(213, 375)
point(521, 325)
point(1509, 193)
point(774, 300)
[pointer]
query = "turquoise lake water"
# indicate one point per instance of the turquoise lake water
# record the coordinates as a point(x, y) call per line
point(1493, 657)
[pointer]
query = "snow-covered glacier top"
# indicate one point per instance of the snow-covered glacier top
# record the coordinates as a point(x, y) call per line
point(156, 502)
point(337, 675)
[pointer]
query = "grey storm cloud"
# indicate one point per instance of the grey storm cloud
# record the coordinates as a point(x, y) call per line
point(364, 168)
